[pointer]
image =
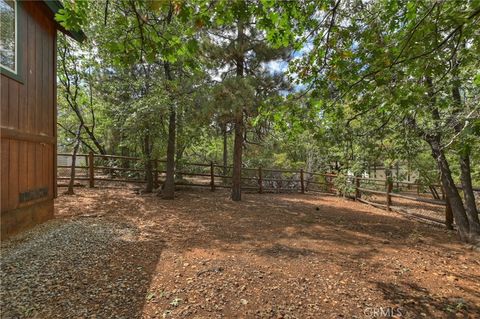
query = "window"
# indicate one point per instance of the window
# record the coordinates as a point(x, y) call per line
point(8, 36)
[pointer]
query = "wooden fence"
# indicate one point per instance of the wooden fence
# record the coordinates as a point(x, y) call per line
point(389, 193)
point(97, 168)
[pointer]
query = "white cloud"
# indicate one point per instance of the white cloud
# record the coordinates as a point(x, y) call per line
point(276, 66)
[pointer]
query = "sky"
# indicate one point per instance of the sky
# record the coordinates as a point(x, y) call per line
point(275, 66)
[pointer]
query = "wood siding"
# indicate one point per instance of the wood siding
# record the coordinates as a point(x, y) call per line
point(28, 113)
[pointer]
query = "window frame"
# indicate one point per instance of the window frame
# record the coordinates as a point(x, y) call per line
point(17, 74)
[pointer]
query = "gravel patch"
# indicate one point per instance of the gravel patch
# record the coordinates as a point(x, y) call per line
point(79, 268)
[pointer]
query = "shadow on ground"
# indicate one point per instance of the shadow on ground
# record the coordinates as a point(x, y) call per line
point(292, 255)
point(81, 268)
point(416, 301)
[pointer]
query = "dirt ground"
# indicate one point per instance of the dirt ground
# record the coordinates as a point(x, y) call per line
point(269, 256)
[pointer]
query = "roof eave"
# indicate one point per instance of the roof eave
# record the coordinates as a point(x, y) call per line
point(55, 6)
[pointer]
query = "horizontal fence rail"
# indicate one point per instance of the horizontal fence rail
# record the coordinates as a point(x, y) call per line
point(96, 168)
point(370, 191)
point(99, 168)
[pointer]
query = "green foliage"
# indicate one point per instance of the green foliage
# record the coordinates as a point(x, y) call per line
point(366, 83)
point(344, 184)
point(74, 14)
point(368, 69)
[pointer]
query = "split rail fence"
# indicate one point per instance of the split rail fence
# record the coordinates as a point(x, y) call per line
point(421, 201)
point(431, 206)
point(97, 168)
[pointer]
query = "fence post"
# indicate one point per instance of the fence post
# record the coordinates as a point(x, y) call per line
point(302, 182)
point(260, 180)
point(357, 186)
point(91, 170)
point(448, 214)
point(212, 177)
point(389, 190)
point(155, 174)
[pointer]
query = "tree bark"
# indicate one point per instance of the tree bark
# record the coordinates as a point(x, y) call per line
point(468, 195)
point(448, 214)
point(238, 142)
point(237, 159)
point(450, 189)
point(180, 144)
point(169, 186)
point(148, 164)
point(71, 183)
point(465, 171)
point(225, 151)
point(124, 152)
point(95, 141)
point(178, 161)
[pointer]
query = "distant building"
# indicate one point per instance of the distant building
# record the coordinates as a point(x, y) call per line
point(401, 173)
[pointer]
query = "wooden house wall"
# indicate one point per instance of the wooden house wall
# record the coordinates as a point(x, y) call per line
point(28, 114)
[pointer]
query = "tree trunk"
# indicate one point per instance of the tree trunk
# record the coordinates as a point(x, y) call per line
point(169, 186)
point(72, 86)
point(95, 141)
point(465, 176)
point(450, 189)
point(225, 152)
point(238, 142)
point(180, 147)
point(124, 152)
point(468, 195)
point(448, 214)
point(148, 164)
point(237, 159)
point(74, 160)
point(178, 160)
point(89, 131)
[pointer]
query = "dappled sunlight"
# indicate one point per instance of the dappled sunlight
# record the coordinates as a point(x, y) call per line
point(240, 159)
point(204, 254)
